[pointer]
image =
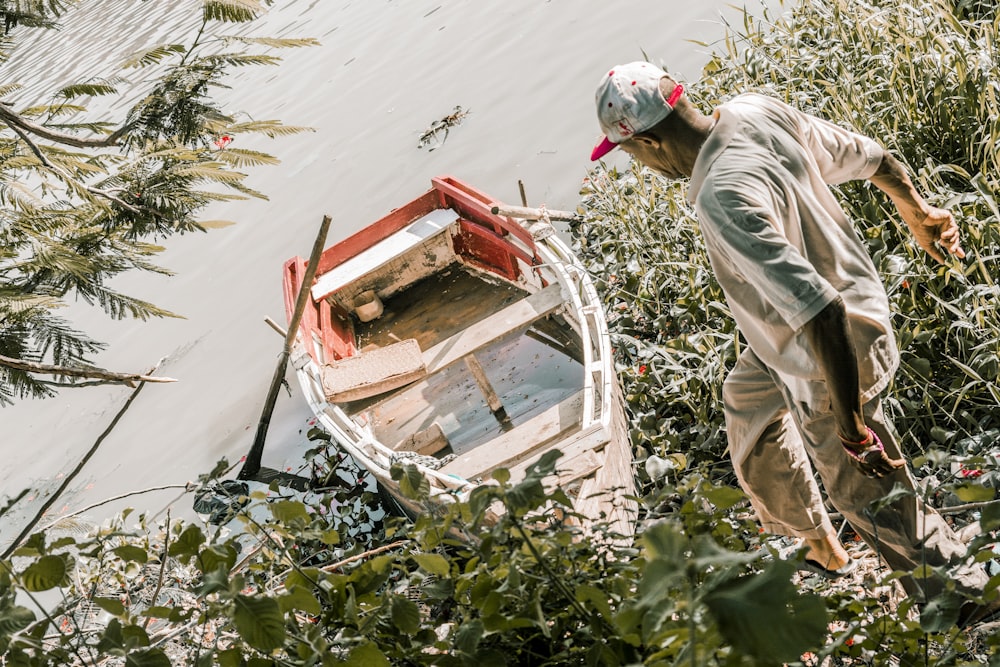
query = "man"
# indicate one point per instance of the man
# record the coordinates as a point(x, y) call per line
point(804, 396)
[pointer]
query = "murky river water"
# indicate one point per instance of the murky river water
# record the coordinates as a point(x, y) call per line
point(525, 70)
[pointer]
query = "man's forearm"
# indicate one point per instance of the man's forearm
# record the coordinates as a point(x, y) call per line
point(892, 178)
point(933, 228)
point(829, 335)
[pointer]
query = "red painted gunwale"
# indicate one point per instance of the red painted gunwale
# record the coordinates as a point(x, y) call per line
point(483, 240)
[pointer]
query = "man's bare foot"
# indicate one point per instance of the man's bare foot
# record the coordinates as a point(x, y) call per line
point(827, 552)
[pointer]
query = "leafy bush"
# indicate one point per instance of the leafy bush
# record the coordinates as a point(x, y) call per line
point(921, 80)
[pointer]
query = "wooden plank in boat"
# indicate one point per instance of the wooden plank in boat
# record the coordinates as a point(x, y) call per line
point(428, 442)
point(382, 252)
point(373, 372)
point(515, 316)
point(519, 314)
point(524, 440)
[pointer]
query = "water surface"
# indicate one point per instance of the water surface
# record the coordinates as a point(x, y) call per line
point(525, 70)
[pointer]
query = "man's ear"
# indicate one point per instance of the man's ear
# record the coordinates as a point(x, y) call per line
point(646, 139)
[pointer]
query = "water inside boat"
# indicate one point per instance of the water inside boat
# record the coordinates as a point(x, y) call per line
point(529, 370)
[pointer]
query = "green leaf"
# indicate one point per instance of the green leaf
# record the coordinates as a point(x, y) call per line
point(15, 618)
point(110, 605)
point(45, 573)
point(990, 519)
point(897, 493)
point(723, 497)
point(290, 512)
point(214, 581)
point(157, 612)
point(468, 637)
point(405, 614)
point(305, 577)
point(433, 563)
point(412, 482)
point(765, 617)
point(187, 544)
point(134, 635)
point(501, 475)
point(596, 597)
point(132, 553)
point(215, 557)
point(941, 612)
point(153, 657)
point(301, 599)
point(973, 493)
point(231, 657)
point(368, 655)
point(259, 622)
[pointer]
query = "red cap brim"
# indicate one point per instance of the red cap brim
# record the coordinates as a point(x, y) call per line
point(602, 149)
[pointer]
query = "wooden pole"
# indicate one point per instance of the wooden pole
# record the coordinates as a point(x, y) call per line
point(252, 465)
point(525, 213)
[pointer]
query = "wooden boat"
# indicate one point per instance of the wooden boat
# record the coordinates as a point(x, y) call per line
point(451, 336)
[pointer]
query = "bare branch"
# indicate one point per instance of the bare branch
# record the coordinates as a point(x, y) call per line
point(15, 120)
point(71, 371)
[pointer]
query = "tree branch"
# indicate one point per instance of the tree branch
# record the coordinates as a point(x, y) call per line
point(68, 177)
point(82, 372)
point(15, 120)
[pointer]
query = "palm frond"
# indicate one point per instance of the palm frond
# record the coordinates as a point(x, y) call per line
point(119, 306)
point(8, 88)
point(153, 55)
point(92, 89)
point(242, 157)
point(240, 59)
point(231, 11)
point(269, 128)
point(273, 42)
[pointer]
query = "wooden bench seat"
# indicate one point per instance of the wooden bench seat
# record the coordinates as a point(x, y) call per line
point(512, 447)
point(373, 372)
point(518, 315)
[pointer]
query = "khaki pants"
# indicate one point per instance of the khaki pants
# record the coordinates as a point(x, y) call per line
point(779, 435)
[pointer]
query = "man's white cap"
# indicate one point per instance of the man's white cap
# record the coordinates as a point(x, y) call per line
point(629, 101)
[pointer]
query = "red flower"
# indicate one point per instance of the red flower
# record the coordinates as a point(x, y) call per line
point(223, 141)
point(642, 369)
point(906, 284)
point(970, 473)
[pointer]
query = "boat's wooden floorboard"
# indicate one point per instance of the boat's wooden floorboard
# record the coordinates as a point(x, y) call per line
point(529, 372)
point(436, 308)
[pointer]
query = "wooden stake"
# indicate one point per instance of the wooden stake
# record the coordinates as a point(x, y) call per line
point(252, 465)
point(277, 327)
point(524, 213)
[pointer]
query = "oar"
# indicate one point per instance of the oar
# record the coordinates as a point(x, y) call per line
point(251, 467)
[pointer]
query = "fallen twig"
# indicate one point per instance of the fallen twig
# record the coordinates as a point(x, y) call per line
point(72, 475)
point(84, 372)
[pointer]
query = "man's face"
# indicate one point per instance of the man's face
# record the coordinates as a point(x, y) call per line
point(654, 155)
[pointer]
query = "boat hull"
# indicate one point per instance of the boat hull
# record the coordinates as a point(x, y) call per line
point(456, 339)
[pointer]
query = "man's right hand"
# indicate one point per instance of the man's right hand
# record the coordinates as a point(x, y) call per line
point(870, 458)
point(938, 228)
